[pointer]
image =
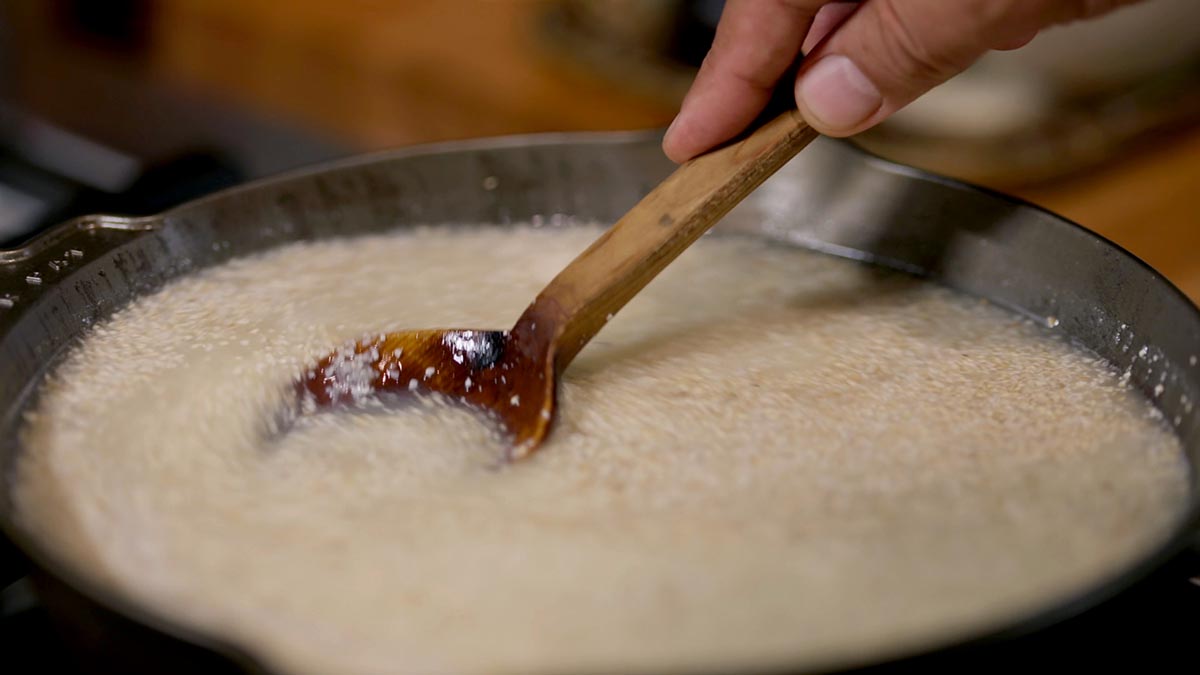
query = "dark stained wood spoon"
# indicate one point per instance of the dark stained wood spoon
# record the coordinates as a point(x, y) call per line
point(514, 374)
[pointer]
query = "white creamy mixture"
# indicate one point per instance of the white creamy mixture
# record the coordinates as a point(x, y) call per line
point(770, 456)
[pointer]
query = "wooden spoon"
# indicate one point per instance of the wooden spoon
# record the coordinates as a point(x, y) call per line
point(514, 374)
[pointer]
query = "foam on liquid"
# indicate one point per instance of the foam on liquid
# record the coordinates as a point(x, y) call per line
point(769, 457)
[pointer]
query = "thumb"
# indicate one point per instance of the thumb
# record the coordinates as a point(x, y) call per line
point(889, 52)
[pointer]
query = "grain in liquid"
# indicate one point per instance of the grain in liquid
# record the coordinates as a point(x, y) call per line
point(769, 457)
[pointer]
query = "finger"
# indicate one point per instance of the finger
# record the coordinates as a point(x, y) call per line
point(889, 52)
point(756, 42)
point(827, 19)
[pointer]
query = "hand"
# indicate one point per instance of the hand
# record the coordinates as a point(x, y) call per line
point(863, 61)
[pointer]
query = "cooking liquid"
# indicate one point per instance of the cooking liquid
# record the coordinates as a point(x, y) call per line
point(769, 457)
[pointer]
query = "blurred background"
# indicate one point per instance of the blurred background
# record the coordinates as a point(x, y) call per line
point(132, 105)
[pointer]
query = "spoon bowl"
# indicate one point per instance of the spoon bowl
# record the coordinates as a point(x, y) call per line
point(500, 372)
point(513, 375)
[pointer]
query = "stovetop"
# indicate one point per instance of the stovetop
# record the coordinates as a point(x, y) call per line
point(50, 172)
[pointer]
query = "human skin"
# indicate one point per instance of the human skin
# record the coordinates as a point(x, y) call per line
point(863, 61)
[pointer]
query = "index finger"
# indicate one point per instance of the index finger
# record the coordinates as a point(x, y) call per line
point(756, 42)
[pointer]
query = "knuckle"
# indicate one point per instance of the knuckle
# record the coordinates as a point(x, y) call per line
point(909, 51)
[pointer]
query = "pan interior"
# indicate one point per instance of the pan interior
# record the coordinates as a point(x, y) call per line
point(771, 457)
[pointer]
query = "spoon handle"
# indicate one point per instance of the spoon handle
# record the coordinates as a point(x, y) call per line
point(577, 303)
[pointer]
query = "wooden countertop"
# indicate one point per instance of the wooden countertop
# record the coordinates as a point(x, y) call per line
point(396, 73)
point(1147, 201)
point(377, 74)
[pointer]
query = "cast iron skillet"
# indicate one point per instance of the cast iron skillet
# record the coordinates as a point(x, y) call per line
point(832, 198)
